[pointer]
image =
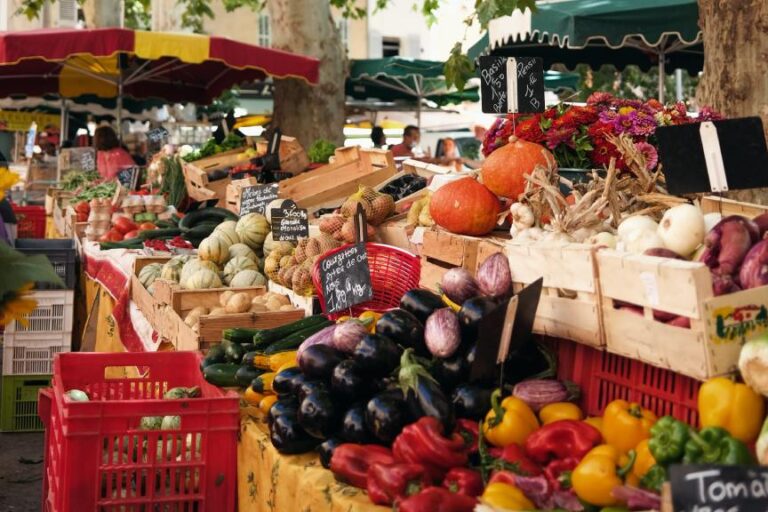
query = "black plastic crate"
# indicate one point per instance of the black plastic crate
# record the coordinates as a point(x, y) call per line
point(60, 252)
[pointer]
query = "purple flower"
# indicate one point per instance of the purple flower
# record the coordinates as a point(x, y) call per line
point(650, 154)
point(623, 123)
point(557, 136)
point(708, 114)
point(643, 124)
point(608, 116)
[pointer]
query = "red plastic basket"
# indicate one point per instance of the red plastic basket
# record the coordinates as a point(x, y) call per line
point(604, 377)
point(30, 221)
point(97, 456)
point(394, 271)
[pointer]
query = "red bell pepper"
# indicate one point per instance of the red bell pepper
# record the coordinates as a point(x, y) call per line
point(464, 481)
point(505, 477)
point(562, 439)
point(437, 499)
point(469, 430)
point(423, 442)
point(350, 462)
point(388, 484)
point(513, 458)
point(558, 473)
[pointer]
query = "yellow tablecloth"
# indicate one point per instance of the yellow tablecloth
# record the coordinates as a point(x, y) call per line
point(268, 481)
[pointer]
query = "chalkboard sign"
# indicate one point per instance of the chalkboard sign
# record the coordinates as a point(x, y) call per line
point(255, 199)
point(346, 278)
point(703, 488)
point(130, 177)
point(87, 161)
point(512, 84)
point(156, 139)
point(714, 156)
point(289, 223)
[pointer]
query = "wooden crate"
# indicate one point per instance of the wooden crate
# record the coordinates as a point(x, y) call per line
point(714, 204)
point(442, 251)
point(310, 305)
point(397, 232)
point(719, 325)
point(329, 185)
point(235, 190)
point(422, 169)
point(569, 306)
point(199, 187)
point(143, 299)
point(293, 158)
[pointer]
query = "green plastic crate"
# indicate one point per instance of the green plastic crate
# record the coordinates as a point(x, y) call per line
point(18, 409)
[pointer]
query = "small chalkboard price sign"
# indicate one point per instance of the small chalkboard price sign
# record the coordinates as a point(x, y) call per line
point(512, 85)
point(156, 139)
point(87, 161)
point(289, 223)
point(346, 278)
point(130, 177)
point(700, 488)
point(255, 199)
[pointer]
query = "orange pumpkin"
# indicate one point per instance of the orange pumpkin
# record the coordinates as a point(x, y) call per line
point(504, 170)
point(465, 207)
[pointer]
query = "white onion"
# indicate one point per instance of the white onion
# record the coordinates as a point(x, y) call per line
point(641, 240)
point(682, 229)
point(635, 223)
point(604, 239)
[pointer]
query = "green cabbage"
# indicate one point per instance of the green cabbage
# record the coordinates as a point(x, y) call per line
point(753, 364)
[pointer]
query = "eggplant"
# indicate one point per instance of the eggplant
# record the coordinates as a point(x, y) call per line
point(318, 361)
point(423, 393)
point(450, 372)
point(308, 386)
point(317, 414)
point(385, 416)
point(471, 313)
point(353, 429)
point(442, 334)
point(471, 401)
point(421, 303)
point(349, 381)
point(377, 355)
point(285, 381)
point(404, 328)
point(288, 437)
point(282, 406)
point(325, 451)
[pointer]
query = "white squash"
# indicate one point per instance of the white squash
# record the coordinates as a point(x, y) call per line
point(247, 279)
point(203, 279)
point(226, 230)
point(192, 266)
point(252, 230)
point(215, 249)
point(240, 249)
point(237, 264)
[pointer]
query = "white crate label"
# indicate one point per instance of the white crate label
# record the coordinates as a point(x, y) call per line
point(651, 287)
point(418, 235)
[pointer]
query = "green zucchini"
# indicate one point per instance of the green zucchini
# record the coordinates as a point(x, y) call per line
point(221, 374)
point(130, 243)
point(245, 375)
point(165, 224)
point(213, 213)
point(263, 337)
point(152, 234)
point(292, 341)
point(215, 355)
point(201, 230)
point(239, 334)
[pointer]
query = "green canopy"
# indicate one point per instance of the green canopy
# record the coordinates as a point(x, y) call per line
point(621, 32)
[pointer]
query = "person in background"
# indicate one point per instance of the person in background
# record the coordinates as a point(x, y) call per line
point(378, 138)
point(408, 148)
point(110, 156)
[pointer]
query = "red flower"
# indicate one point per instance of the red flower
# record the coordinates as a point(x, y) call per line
point(529, 130)
point(600, 98)
point(557, 136)
point(654, 104)
point(599, 130)
point(603, 152)
point(550, 113)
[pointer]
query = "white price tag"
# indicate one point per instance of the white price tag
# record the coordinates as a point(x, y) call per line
point(651, 287)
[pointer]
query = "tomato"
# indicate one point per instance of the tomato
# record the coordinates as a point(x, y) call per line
point(124, 225)
point(131, 234)
point(83, 207)
point(82, 217)
point(115, 236)
point(145, 226)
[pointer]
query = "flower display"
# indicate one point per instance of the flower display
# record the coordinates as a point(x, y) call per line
point(579, 135)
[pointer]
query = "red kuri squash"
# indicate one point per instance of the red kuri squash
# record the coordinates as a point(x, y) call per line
point(464, 207)
point(504, 170)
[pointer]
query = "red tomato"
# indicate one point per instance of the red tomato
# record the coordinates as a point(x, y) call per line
point(131, 234)
point(145, 226)
point(124, 225)
point(83, 207)
point(82, 217)
point(114, 235)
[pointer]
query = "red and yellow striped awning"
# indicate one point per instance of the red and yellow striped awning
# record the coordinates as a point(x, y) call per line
point(176, 67)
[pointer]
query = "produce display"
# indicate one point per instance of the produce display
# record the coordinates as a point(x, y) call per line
point(212, 148)
point(239, 302)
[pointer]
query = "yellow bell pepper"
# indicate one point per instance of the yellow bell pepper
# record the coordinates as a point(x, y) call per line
point(370, 318)
point(506, 496)
point(510, 421)
point(732, 406)
point(598, 473)
point(597, 422)
point(342, 319)
point(267, 402)
point(560, 411)
point(626, 424)
point(643, 460)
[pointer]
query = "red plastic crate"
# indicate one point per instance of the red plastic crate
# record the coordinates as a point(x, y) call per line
point(97, 458)
point(604, 377)
point(30, 221)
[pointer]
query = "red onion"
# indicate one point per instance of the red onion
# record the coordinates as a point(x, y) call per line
point(728, 243)
point(680, 321)
point(441, 333)
point(494, 276)
point(459, 285)
point(761, 221)
point(636, 498)
point(754, 270)
point(662, 252)
point(539, 392)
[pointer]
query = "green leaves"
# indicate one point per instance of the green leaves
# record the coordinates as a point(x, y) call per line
point(488, 10)
point(20, 269)
point(458, 68)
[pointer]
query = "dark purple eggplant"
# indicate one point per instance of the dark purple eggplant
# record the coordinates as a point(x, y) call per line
point(385, 416)
point(471, 401)
point(308, 386)
point(318, 361)
point(350, 382)
point(317, 415)
point(288, 437)
point(353, 429)
point(377, 355)
point(422, 392)
point(404, 329)
point(451, 371)
point(325, 451)
point(421, 303)
point(470, 314)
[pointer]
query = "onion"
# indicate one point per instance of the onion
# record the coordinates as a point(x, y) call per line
point(459, 285)
point(604, 239)
point(641, 240)
point(347, 335)
point(441, 333)
point(723, 284)
point(682, 228)
point(636, 223)
point(494, 276)
point(762, 223)
point(661, 252)
point(728, 244)
point(754, 269)
point(636, 498)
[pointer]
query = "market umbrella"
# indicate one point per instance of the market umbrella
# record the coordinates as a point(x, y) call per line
point(116, 62)
point(621, 32)
point(89, 104)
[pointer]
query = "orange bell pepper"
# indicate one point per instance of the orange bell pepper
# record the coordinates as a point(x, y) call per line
point(626, 424)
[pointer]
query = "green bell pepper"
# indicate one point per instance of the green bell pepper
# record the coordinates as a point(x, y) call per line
point(654, 478)
point(714, 445)
point(668, 438)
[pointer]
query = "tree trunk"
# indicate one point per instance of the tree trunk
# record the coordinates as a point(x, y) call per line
point(309, 112)
point(103, 13)
point(735, 79)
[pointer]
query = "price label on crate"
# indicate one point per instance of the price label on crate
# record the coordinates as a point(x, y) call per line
point(704, 488)
point(345, 277)
point(512, 84)
point(289, 223)
point(255, 199)
point(156, 139)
